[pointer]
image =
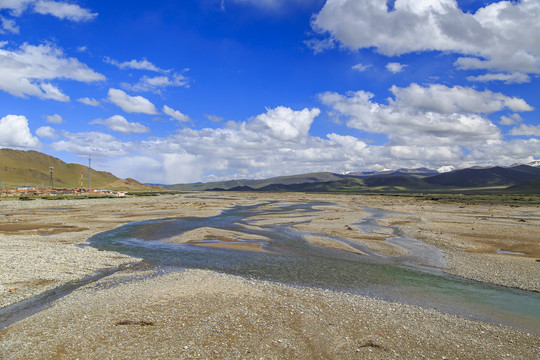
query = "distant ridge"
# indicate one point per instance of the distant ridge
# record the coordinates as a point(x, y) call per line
point(486, 177)
point(256, 184)
point(31, 168)
point(497, 178)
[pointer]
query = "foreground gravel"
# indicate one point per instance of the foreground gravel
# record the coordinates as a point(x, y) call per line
point(203, 314)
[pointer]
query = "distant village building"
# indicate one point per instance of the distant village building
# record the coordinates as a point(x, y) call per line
point(26, 188)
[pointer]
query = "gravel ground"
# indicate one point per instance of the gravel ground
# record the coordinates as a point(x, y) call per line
point(202, 314)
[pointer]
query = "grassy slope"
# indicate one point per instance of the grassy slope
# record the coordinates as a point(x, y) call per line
point(389, 184)
point(495, 176)
point(31, 168)
point(526, 187)
point(256, 184)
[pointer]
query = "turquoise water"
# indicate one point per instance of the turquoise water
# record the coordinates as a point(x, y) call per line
point(414, 279)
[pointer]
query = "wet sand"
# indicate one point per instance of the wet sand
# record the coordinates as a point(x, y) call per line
point(205, 314)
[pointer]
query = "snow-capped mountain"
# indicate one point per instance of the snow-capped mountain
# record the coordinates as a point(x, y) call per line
point(445, 169)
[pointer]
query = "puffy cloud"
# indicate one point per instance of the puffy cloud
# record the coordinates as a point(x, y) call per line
point(424, 154)
point(46, 132)
point(361, 67)
point(16, 7)
point(443, 99)
point(348, 142)
point(131, 104)
point(284, 123)
point(158, 83)
point(88, 101)
point(120, 124)
point(395, 67)
point(28, 70)
point(175, 114)
point(503, 35)
point(91, 143)
point(134, 64)
point(63, 10)
point(504, 152)
point(9, 26)
point(527, 130)
point(137, 165)
point(510, 120)
point(320, 45)
point(54, 119)
point(276, 139)
point(15, 133)
point(214, 118)
point(513, 78)
point(433, 115)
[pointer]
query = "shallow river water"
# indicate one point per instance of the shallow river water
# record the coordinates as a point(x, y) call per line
point(414, 279)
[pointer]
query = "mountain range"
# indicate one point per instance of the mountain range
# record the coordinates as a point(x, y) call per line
point(516, 178)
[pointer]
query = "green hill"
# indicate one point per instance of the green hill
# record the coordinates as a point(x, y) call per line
point(257, 184)
point(496, 179)
point(31, 168)
point(494, 176)
point(527, 187)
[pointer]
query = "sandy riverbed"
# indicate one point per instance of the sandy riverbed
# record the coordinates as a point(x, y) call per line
point(204, 314)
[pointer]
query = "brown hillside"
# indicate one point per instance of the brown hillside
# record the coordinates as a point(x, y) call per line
point(31, 168)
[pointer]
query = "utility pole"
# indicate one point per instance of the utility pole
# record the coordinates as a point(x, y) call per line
point(89, 172)
point(51, 170)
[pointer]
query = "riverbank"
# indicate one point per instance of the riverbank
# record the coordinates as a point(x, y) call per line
point(42, 245)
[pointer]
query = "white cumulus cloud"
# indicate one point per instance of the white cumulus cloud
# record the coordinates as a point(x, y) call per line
point(395, 67)
point(361, 67)
point(16, 7)
point(175, 114)
point(134, 64)
point(8, 25)
point(511, 120)
point(91, 143)
point(507, 78)
point(131, 104)
point(63, 10)
point(502, 36)
point(285, 123)
point(432, 115)
point(214, 118)
point(54, 119)
point(158, 83)
point(60, 9)
point(28, 71)
point(88, 101)
point(15, 133)
point(120, 124)
point(527, 130)
point(47, 132)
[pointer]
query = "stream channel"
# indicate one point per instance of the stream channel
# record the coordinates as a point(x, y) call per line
point(416, 279)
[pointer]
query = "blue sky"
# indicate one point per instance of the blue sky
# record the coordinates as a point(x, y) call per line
point(203, 90)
